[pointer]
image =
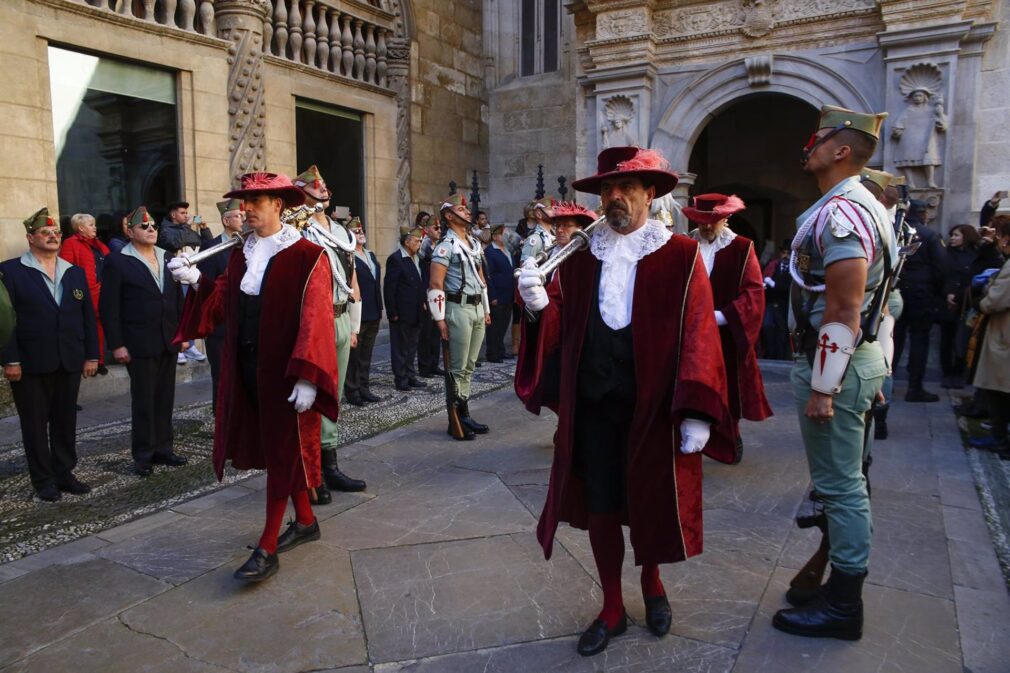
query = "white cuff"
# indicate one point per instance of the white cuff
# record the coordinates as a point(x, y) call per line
point(835, 345)
point(354, 309)
point(436, 304)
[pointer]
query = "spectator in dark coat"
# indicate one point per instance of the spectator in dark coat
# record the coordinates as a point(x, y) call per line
point(501, 286)
point(989, 209)
point(428, 344)
point(921, 285)
point(405, 296)
point(176, 233)
point(140, 308)
point(369, 274)
point(55, 343)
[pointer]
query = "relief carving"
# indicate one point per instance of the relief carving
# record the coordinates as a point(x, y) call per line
point(916, 133)
point(620, 24)
point(754, 18)
point(398, 77)
point(618, 116)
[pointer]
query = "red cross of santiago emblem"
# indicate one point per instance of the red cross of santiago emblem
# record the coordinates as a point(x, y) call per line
point(439, 300)
point(825, 346)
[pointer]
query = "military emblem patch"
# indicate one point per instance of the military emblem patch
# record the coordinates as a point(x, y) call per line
point(803, 262)
point(78, 294)
point(442, 251)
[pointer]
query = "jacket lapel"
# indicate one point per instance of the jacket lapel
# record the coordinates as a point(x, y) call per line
point(41, 284)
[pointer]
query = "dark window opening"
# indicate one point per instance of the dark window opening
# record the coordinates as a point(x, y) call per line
point(333, 139)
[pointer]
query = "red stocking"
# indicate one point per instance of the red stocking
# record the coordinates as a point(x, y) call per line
point(607, 541)
point(272, 527)
point(303, 509)
point(651, 585)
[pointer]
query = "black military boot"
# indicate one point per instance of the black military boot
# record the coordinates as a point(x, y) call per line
point(880, 420)
point(322, 495)
point(464, 418)
point(458, 430)
point(835, 612)
point(336, 480)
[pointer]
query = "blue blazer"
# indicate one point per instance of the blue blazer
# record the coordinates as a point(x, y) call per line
point(371, 288)
point(47, 336)
point(403, 290)
point(135, 313)
point(501, 284)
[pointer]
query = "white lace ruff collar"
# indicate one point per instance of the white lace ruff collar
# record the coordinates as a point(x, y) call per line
point(620, 254)
point(258, 252)
point(709, 249)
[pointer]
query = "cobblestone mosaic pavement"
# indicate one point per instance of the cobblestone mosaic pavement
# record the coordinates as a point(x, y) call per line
point(28, 525)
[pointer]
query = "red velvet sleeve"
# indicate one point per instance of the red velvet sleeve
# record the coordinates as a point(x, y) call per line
point(701, 373)
point(540, 342)
point(315, 356)
point(745, 314)
point(203, 309)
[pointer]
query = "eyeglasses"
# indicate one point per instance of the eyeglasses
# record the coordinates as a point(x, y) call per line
point(146, 226)
point(49, 232)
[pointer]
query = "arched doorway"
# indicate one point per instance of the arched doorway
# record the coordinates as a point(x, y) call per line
point(752, 148)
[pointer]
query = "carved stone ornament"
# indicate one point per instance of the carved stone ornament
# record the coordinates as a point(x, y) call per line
point(759, 69)
point(754, 18)
point(916, 132)
point(619, 114)
point(757, 18)
point(620, 24)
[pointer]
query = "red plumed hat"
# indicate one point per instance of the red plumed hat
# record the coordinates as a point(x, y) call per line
point(273, 184)
point(710, 208)
point(583, 215)
point(617, 161)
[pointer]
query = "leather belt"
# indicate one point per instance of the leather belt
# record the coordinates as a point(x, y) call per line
point(460, 298)
point(339, 309)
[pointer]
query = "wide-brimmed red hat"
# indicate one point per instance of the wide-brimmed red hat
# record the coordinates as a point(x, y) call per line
point(710, 208)
point(272, 184)
point(616, 161)
point(583, 215)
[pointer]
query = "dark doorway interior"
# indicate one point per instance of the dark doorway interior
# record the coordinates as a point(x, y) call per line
point(752, 149)
point(333, 139)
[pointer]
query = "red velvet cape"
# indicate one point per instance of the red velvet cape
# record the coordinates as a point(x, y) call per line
point(678, 369)
point(295, 342)
point(738, 291)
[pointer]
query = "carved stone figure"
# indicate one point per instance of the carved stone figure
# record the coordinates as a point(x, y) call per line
point(916, 133)
point(619, 113)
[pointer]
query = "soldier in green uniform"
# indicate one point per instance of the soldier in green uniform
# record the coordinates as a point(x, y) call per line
point(541, 239)
point(339, 244)
point(841, 256)
point(457, 299)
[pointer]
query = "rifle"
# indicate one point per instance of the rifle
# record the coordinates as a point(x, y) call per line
point(456, 429)
point(908, 243)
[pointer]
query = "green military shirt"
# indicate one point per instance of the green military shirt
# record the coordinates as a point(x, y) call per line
point(536, 242)
point(461, 266)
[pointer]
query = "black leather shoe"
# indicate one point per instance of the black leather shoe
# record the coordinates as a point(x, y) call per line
point(464, 418)
point(921, 395)
point(338, 481)
point(323, 496)
point(596, 638)
point(367, 396)
point(404, 388)
point(171, 459)
point(797, 596)
point(836, 611)
point(102, 370)
point(297, 534)
point(49, 493)
point(417, 383)
point(356, 400)
point(259, 567)
point(143, 470)
point(71, 484)
point(658, 615)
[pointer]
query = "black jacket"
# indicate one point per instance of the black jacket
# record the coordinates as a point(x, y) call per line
point(371, 288)
point(501, 283)
point(135, 313)
point(403, 290)
point(923, 278)
point(174, 237)
point(47, 336)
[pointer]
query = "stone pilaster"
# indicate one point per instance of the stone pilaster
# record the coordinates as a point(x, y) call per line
point(398, 76)
point(241, 22)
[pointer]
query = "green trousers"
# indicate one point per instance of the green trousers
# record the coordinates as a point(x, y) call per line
point(330, 437)
point(466, 333)
point(835, 454)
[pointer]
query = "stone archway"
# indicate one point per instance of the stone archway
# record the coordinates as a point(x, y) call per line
point(696, 104)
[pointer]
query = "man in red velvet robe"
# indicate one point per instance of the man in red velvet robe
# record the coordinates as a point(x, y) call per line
point(641, 391)
point(278, 365)
point(739, 297)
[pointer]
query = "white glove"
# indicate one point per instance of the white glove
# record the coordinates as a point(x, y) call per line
point(769, 281)
point(531, 287)
point(182, 272)
point(694, 435)
point(720, 319)
point(303, 396)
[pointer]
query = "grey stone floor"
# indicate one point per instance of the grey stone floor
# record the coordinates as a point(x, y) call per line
point(436, 569)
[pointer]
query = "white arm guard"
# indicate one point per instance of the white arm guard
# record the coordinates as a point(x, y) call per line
point(885, 336)
point(354, 309)
point(436, 304)
point(485, 301)
point(835, 345)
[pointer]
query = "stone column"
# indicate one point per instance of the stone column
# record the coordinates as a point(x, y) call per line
point(398, 77)
point(241, 22)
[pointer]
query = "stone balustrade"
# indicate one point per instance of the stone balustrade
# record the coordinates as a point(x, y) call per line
point(196, 16)
point(323, 34)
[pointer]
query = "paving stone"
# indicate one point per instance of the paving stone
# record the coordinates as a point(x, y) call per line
point(110, 647)
point(450, 505)
point(909, 547)
point(432, 599)
point(758, 484)
point(973, 562)
point(983, 619)
point(138, 526)
point(961, 493)
point(903, 467)
point(179, 551)
point(197, 505)
point(532, 496)
point(72, 552)
point(47, 605)
point(250, 509)
point(903, 631)
point(637, 651)
point(304, 618)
